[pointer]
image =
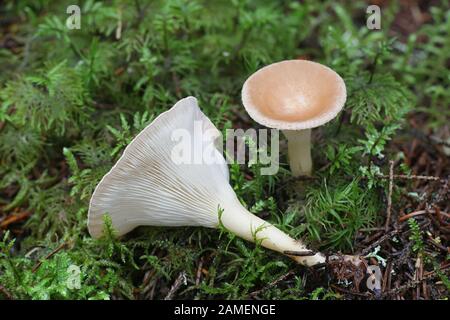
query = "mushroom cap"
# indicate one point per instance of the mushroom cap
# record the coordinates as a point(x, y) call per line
point(294, 95)
point(146, 187)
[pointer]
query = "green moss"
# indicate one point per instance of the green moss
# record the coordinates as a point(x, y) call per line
point(72, 99)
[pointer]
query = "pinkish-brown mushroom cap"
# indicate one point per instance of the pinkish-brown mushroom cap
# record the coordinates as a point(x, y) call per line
point(294, 95)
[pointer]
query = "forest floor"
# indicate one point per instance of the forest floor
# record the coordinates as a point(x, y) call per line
point(386, 200)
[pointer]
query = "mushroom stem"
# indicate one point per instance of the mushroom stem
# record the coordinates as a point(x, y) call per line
point(246, 225)
point(299, 151)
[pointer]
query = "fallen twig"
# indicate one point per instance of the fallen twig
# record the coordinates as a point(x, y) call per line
point(272, 284)
point(389, 200)
point(176, 285)
point(408, 285)
point(359, 294)
point(6, 293)
point(412, 177)
point(199, 272)
point(387, 277)
point(370, 229)
point(420, 212)
point(438, 214)
point(438, 246)
point(379, 241)
point(306, 253)
point(16, 217)
point(59, 248)
point(441, 268)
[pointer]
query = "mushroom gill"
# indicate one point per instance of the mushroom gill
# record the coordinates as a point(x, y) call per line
point(148, 186)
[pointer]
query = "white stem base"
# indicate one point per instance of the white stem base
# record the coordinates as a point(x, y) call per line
point(246, 225)
point(299, 151)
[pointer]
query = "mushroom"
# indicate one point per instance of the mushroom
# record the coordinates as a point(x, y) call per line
point(294, 96)
point(149, 186)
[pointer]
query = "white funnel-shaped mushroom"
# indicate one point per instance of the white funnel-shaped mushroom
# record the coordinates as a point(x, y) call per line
point(148, 185)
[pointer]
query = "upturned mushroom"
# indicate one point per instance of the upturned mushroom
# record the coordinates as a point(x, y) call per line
point(148, 186)
point(294, 96)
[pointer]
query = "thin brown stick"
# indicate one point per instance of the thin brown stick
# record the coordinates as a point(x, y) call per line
point(16, 217)
point(365, 295)
point(441, 268)
point(409, 285)
point(153, 285)
point(272, 284)
point(371, 229)
point(412, 177)
point(306, 253)
point(6, 293)
point(438, 214)
point(199, 272)
point(389, 200)
point(176, 285)
point(386, 277)
point(147, 282)
point(420, 212)
point(418, 275)
point(379, 241)
point(437, 245)
point(373, 237)
point(59, 248)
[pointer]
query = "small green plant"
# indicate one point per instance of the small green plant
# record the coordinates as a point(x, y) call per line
point(333, 216)
point(416, 236)
point(127, 133)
